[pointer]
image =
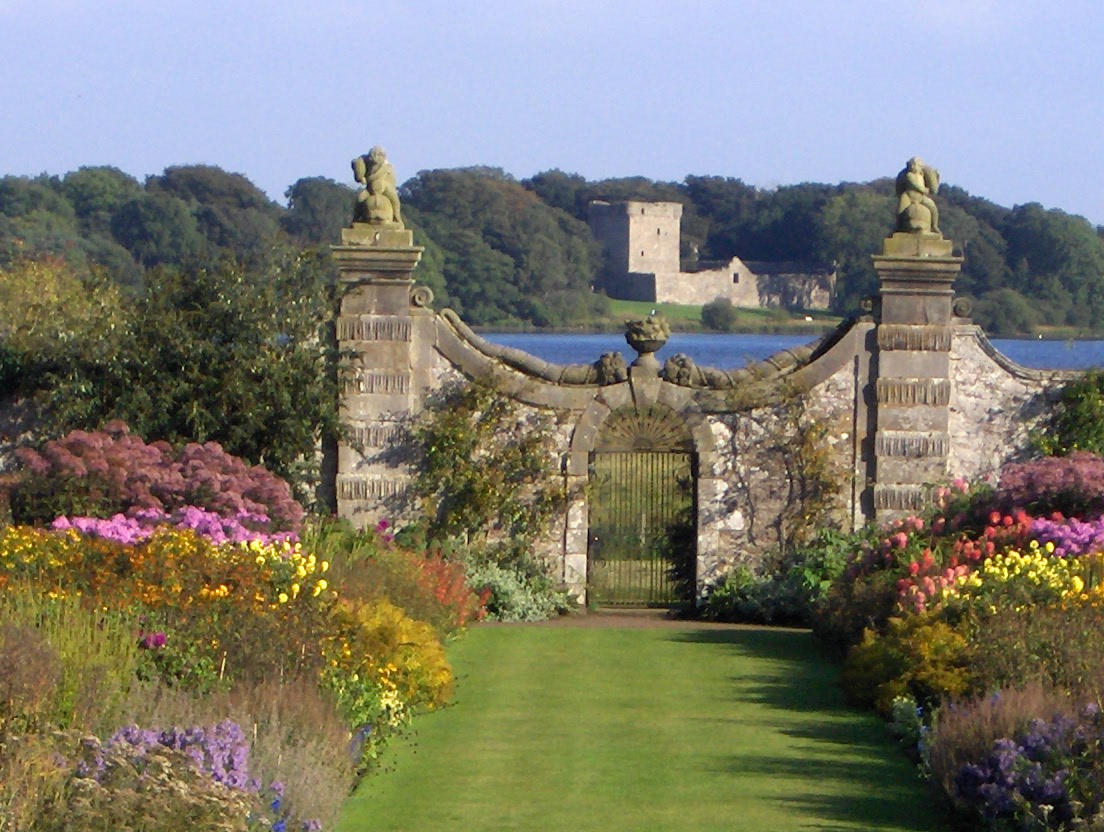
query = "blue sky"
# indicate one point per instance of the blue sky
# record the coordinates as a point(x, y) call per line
point(1003, 97)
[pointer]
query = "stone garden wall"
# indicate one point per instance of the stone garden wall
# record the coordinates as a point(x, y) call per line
point(900, 399)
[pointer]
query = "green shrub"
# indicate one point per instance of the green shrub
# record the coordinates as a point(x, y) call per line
point(720, 315)
point(852, 606)
point(1060, 647)
point(1077, 423)
point(819, 564)
point(513, 595)
point(793, 592)
point(920, 656)
point(744, 597)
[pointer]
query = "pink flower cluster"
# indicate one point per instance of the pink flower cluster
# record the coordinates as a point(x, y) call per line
point(919, 590)
point(241, 528)
point(132, 475)
point(1071, 484)
point(152, 641)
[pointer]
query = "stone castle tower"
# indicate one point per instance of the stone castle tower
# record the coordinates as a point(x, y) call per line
point(640, 241)
point(638, 237)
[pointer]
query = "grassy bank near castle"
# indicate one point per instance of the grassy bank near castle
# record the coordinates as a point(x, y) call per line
point(687, 318)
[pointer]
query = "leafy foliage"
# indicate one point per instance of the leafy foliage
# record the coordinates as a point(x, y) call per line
point(719, 315)
point(486, 470)
point(503, 252)
point(792, 594)
point(513, 594)
point(189, 352)
point(47, 310)
point(508, 255)
point(318, 208)
point(1077, 422)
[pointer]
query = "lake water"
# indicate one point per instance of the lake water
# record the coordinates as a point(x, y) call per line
point(732, 351)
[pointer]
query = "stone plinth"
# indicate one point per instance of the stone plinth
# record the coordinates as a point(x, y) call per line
point(912, 386)
point(378, 325)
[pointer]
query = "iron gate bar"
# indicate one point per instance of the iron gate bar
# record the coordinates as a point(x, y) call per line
point(637, 497)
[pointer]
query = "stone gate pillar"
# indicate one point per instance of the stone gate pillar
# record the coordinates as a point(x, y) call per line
point(383, 327)
point(916, 271)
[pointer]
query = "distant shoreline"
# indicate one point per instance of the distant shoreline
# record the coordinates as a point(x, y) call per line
point(797, 329)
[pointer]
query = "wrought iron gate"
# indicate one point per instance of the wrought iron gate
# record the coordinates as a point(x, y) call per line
point(642, 513)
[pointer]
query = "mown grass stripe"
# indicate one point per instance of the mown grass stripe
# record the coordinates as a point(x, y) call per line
point(558, 728)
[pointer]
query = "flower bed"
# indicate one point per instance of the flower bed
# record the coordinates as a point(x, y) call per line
point(979, 630)
point(252, 675)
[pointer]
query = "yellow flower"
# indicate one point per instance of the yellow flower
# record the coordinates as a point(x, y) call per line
point(260, 560)
point(322, 584)
point(325, 566)
point(282, 598)
point(295, 590)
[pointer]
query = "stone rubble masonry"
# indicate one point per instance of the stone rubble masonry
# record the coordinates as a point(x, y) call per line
point(911, 396)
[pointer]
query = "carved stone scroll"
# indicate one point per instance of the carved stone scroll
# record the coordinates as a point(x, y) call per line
point(609, 369)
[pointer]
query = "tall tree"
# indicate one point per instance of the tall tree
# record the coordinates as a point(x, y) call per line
point(509, 257)
point(318, 208)
point(160, 229)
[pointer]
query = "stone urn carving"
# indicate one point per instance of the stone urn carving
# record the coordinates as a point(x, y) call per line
point(647, 336)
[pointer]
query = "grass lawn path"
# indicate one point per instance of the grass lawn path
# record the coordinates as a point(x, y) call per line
point(676, 727)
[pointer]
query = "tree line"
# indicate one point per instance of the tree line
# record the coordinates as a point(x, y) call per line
point(507, 252)
point(193, 307)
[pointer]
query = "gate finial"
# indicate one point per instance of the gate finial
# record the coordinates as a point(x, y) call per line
point(646, 337)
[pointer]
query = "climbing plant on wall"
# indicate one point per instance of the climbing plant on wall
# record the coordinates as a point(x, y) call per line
point(1077, 423)
point(487, 473)
point(807, 477)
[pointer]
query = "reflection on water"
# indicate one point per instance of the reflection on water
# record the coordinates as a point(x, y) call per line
point(731, 351)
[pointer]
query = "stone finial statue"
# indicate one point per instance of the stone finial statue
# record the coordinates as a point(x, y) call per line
point(378, 201)
point(916, 210)
point(647, 335)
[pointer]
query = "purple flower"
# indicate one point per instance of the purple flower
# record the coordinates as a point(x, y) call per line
point(243, 527)
point(152, 641)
